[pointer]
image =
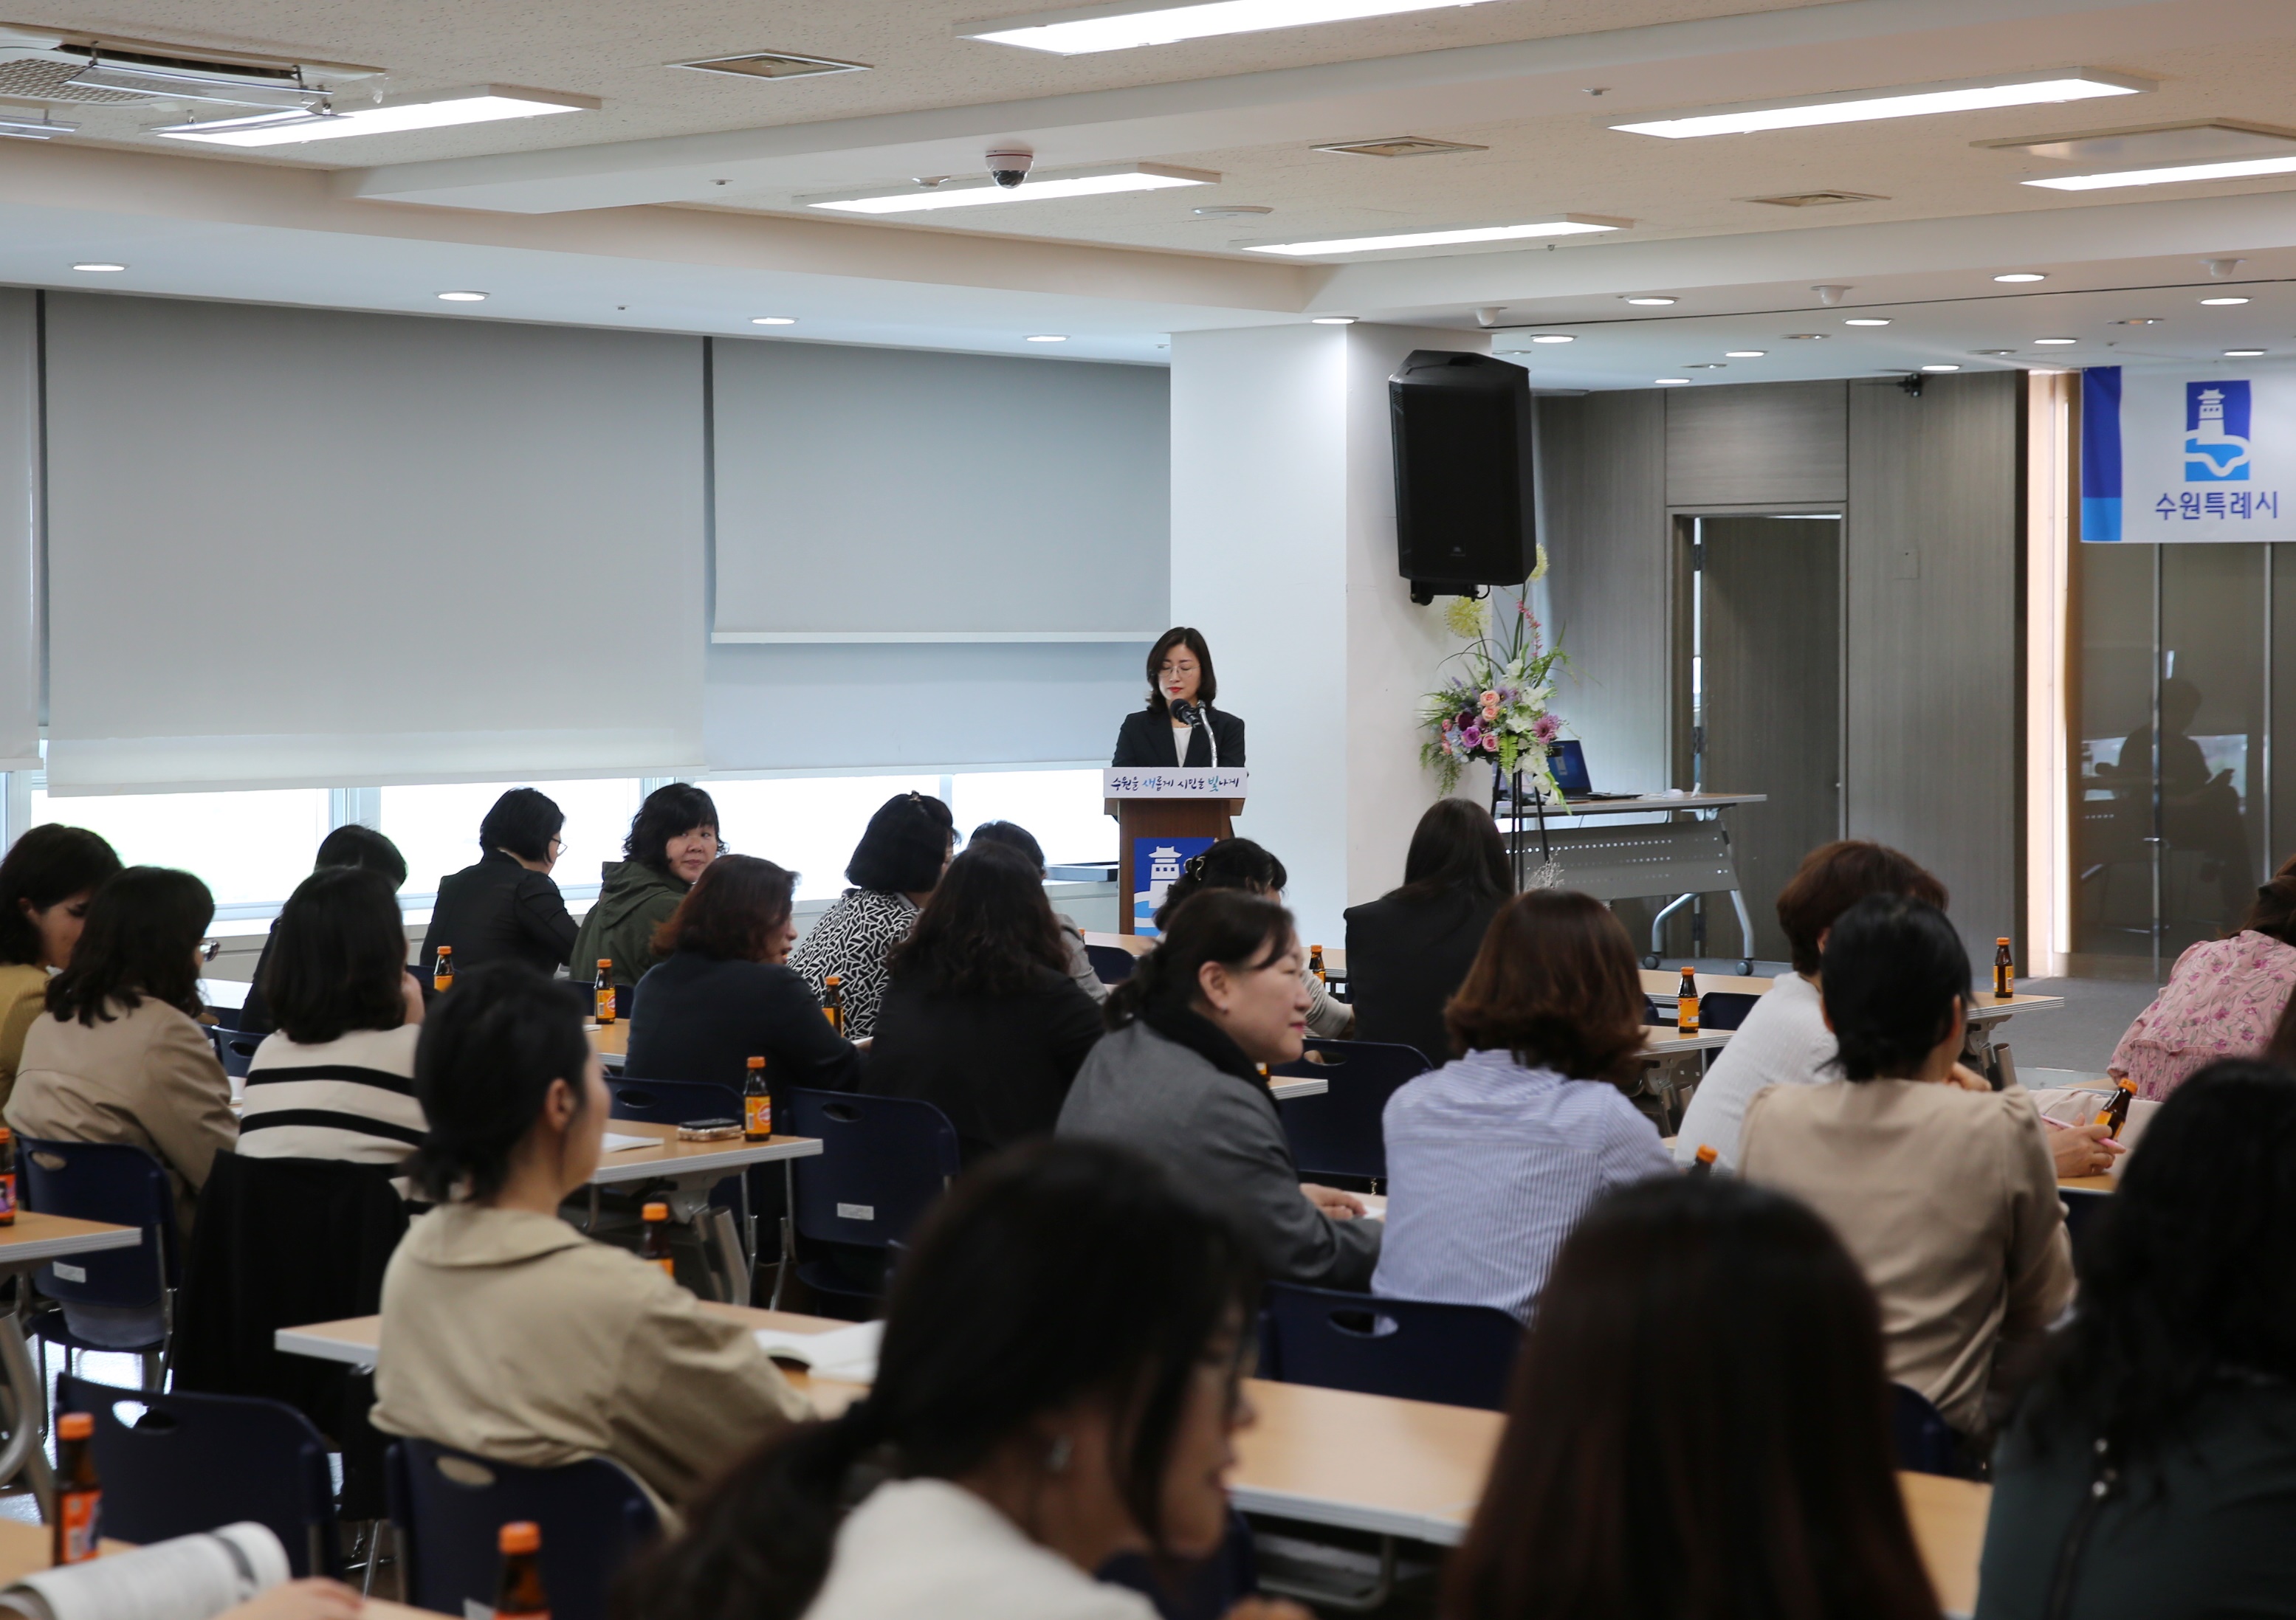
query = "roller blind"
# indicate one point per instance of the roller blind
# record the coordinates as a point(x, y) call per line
point(20, 506)
point(888, 495)
point(296, 547)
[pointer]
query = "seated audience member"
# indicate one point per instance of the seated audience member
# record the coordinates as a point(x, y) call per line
point(507, 1333)
point(1698, 1427)
point(121, 1056)
point(506, 907)
point(47, 881)
point(1179, 1078)
point(1058, 1384)
point(350, 845)
point(900, 857)
point(1241, 863)
point(2151, 1470)
point(1492, 1159)
point(2222, 999)
point(1409, 949)
point(672, 840)
point(1785, 1040)
point(1942, 1187)
point(1072, 934)
point(723, 993)
point(2281, 1050)
point(337, 1080)
point(980, 1018)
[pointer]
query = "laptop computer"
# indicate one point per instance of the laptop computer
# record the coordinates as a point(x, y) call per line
point(1566, 758)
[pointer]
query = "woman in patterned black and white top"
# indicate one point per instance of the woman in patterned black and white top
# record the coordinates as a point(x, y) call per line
point(894, 868)
point(337, 1080)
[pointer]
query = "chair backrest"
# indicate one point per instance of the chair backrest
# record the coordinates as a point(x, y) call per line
point(883, 1160)
point(449, 1507)
point(1924, 1440)
point(91, 1181)
point(1340, 1132)
point(674, 1102)
point(233, 1050)
point(1724, 1009)
point(1413, 1349)
point(177, 1464)
point(1110, 964)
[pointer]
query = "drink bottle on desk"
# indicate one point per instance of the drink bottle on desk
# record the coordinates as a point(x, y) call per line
point(832, 1003)
point(654, 1248)
point(2115, 1113)
point(1686, 1004)
point(2004, 971)
point(605, 990)
point(79, 1496)
point(442, 975)
point(757, 1103)
point(1315, 964)
point(7, 1176)
point(519, 1592)
point(1704, 1163)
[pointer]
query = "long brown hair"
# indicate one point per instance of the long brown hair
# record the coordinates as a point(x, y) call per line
point(1555, 984)
point(1699, 1427)
point(732, 912)
point(987, 930)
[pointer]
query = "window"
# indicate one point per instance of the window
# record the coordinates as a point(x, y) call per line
point(437, 828)
point(806, 824)
point(1062, 807)
point(249, 848)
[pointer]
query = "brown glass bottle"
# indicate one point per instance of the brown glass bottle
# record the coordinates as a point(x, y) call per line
point(2115, 1113)
point(1686, 1004)
point(605, 990)
point(2004, 971)
point(519, 1592)
point(832, 1003)
point(655, 1247)
point(7, 1176)
point(757, 1103)
point(1703, 1165)
point(79, 1496)
point(442, 973)
point(1315, 964)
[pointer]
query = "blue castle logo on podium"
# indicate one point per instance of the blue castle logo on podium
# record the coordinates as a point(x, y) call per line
point(2216, 432)
point(1156, 865)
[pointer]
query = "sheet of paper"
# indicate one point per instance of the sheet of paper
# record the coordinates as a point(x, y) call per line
point(841, 1353)
point(616, 1143)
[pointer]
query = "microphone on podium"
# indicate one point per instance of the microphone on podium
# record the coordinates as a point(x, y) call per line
point(1188, 715)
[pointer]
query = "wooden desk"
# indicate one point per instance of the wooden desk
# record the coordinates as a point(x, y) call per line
point(352, 1341)
point(2088, 1183)
point(24, 1551)
point(1284, 1090)
point(711, 1160)
point(33, 1240)
point(611, 1042)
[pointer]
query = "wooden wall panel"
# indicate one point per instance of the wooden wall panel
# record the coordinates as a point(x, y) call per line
point(1771, 442)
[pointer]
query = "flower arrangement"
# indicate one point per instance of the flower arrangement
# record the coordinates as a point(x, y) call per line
point(1493, 709)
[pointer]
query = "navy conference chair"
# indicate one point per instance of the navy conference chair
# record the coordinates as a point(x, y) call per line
point(117, 1299)
point(1724, 1009)
point(178, 1464)
point(1341, 1133)
point(449, 1508)
point(1924, 1441)
point(1110, 964)
point(233, 1050)
point(673, 1103)
point(1411, 1349)
point(882, 1162)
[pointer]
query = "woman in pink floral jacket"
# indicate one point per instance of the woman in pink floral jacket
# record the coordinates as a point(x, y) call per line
point(2222, 999)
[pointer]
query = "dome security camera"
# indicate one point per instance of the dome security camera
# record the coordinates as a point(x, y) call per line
point(1008, 168)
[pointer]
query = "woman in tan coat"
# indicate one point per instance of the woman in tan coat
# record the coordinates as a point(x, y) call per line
point(46, 884)
point(507, 1333)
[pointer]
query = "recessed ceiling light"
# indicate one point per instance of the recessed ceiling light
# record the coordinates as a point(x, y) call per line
point(1806, 336)
point(1047, 337)
point(1902, 101)
point(773, 64)
point(2021, 275)
point(100, 269)
point(2057, 342)
point(1940, 368)
point(1867, 320)
point(1743, 354)
point(1100, 181)
point(1706, 366)
point(2246, 168)
point(1672, 382)
point(773, 320)
point(464, 298)
point(2223, 301)
point(1562, 224)
point(1125, 28)
point(1331, 320)
point(1652, 299)
point(2242, 354)
point(1994, 354)
point(2142, 320)
point(1232, 210)
point(393, 115)
point(1553, 337)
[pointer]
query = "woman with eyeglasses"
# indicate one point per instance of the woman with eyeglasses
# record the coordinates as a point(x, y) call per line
point(507, 908)
point(1177, 725)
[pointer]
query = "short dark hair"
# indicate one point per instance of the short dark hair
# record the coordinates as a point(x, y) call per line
point(731, 911)
point(1891, 973)
point(1230, 863)
point(337, 959)
point(1755, 1477)
point(490, 1049)
point(1555, 983)
point(669, 810)
point(46, 867)
point(1012, 835)
point(1053, 1273)
point(1456, 849)
point(904, 847)
point(1835, 877)
point(522, 821)
point(1207, 686)
point(1228, 926)
point(141, 938)
point(986, 927)
point(355, 845)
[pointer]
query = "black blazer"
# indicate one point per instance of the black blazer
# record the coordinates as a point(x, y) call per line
point(498, 911)
point(693, 1018)
point(1406, 958)
point(999, 1067)
point(1146, 740)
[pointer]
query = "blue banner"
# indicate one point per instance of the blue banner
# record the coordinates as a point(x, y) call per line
point(2100, 462)
point(1155, 866)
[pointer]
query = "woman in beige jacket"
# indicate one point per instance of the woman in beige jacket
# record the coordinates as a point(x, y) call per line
point(46, 883)
point(507, 1333)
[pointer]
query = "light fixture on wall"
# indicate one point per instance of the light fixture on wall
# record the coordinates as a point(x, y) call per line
point(1125, 28)
point(1040, 186)
point(393, 115)
point(463, 297)
point(1562, 224)
point(1898, 101)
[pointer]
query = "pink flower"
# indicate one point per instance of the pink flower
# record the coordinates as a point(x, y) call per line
point(1545, 728)
point(1488, 699)
point(1472, 736)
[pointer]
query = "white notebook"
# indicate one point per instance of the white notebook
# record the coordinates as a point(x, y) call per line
point(842, 1353)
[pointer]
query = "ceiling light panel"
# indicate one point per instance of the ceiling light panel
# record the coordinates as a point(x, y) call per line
point(2179, 174)
point(1038, 187)
point(439, 109)
point(1903, 102)
point(1567, 224)
point(773, 64)
point(1128, 26)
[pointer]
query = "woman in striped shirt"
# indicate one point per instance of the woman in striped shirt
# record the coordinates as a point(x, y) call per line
point(337, 1080)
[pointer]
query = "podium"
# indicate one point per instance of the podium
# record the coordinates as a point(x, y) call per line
point(1163, 815)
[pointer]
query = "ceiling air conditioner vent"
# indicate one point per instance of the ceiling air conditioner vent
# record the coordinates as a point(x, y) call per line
point(31, 78)
point(1816, 200)
point(1400, 146)
point(37, 65)
point(773, 64)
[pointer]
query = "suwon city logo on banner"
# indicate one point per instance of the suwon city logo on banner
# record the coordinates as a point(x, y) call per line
point(2169, 455)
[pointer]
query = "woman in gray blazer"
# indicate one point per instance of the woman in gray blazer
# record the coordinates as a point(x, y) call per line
point(1178, 1079)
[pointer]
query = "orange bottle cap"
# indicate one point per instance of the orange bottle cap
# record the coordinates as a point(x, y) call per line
point(657, 1212)
point(757, 1063)
point(605, 961)
point(523, 1536)
point(1707, 1155)
point(834, 978)
point(5, 1134)
point(75, 1426)
point(2003, 940)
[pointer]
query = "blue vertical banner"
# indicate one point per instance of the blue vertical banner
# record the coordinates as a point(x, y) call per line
point(1156, 865)
point(2100, 464)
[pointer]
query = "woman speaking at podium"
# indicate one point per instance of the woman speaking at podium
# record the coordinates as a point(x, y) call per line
point(1179, 726)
